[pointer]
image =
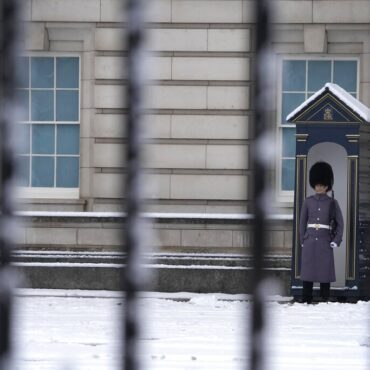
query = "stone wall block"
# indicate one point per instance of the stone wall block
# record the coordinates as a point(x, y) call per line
point(157, 126)
point(159, 11)
point(228, 97)
point(26, 9)
point(87, 122)
point(87, 94)
point(227, 157)
point(86, 151)
point(35, 36)
point(109, 68)
point(108, 185)
point(248, 11)
point(228, 40)
point(210, 127)
point(201, 68)
point(99, 237)
point(365, 68)
point(175, 156)
point(156, 11)
point(165, 238)
point(341, 11)
point(110, 96)
point(66, 10)
point(207, 238)
point(86, 183)
point(315, 38)
point(51, 236)
point(110, 126)
point(241, 239)
point(113, 11)
point(156, 186)
point(218, 187)
point(20, 235)
point(109, 155)
point(177, 39)
point(110, 39)
point(177, 97)
point(292, 11)
point(275, 239)
point(207, 11)
point(111, 185)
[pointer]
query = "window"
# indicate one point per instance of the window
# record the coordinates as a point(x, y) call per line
point(301, 79)
point(49, 91)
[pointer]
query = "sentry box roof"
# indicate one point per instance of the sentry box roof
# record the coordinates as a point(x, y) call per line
point(330, 103)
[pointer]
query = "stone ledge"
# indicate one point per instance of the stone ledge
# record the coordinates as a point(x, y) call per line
point(119, 217)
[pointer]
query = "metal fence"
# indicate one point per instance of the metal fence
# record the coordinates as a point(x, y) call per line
point(9, 37)
point(132, 279)
point(135, 31)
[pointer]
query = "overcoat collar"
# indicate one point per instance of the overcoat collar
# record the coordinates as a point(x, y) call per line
point(321, 196)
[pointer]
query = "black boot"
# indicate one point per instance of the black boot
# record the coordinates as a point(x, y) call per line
point(307, 292)
point(324, 292)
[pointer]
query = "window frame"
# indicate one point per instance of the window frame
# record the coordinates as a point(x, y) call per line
point(55, 192)
point(288, 195)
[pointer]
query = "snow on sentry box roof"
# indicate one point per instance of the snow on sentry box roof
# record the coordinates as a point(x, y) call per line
point(342, 95)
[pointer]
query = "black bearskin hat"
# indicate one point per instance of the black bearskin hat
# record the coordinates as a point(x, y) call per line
point(321, 173)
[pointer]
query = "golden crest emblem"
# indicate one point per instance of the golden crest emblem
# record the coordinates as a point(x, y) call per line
point(328, 114)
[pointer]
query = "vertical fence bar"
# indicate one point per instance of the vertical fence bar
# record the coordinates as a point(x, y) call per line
point(9, 30)
point(132, 274)
point(259, 182)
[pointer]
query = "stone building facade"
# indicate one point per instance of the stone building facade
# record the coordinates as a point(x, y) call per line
point(199, 112)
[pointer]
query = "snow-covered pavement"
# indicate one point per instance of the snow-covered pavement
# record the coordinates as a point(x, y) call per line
point(79, 330)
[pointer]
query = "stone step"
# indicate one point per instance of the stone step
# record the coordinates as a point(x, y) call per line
point(167, 272)
point(154, 258)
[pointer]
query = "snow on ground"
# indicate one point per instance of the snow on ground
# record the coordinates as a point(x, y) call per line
point(79, 330)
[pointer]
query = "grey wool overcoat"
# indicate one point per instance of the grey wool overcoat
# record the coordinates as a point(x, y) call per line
point(317, 254)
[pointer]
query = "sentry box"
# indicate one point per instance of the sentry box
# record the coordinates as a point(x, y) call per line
point(333, 126)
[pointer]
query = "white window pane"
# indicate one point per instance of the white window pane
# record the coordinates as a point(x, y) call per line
point(67, 105)
point(290, 102)
point(319, 73)
point(345, 74)
point(23, 171)
point(23, 134)
point(23, 72)
point(42, 72)
point(43, 171)
point(24, 104)
point(42, 105)
point(67, 172)
point(289, 142)
point(43, 139)
point(294, 75)
point(288, 175)
point(68, 72)
point(68, 139)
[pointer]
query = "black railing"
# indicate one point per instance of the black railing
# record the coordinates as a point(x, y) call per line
point(133, 280)
point(9, 31)
point(260, 167)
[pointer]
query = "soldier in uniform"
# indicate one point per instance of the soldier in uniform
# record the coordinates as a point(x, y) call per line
point(316, 238)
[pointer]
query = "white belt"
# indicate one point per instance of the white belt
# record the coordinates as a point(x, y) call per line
point(318, 226)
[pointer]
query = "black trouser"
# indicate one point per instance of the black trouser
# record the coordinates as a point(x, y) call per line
point(307, 291)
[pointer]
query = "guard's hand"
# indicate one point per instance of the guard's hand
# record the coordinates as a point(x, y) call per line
point(334, 245)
